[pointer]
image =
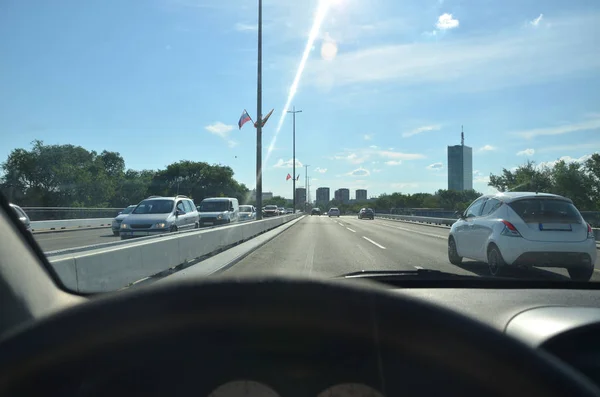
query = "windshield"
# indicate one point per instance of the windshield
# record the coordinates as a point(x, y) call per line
point(154, 207)
point(128, 210)
point(461, 136)
point(214, 206)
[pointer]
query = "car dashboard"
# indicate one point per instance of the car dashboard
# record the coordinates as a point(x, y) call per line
point(564, 323)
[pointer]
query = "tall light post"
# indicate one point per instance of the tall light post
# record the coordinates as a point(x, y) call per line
point(306, 186)
point(259, 116)
point(293, 112)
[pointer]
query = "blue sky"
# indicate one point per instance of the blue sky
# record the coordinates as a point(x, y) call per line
point(385, 87)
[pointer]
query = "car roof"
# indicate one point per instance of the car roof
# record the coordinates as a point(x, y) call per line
point(513, 196)
point(219, 199)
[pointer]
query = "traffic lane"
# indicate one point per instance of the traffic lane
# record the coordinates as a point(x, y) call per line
point(413, 248)
point(440, 235)
point(75, 238)
point(315, 246)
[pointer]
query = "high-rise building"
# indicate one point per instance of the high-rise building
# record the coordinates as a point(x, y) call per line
point(343, 195)
point(265, 195)
point(361, 194)
point(460, 166)
point(300, 197)
point(323, 195)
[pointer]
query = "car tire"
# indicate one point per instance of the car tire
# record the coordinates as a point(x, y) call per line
point(495, 260)
point(115, 233)
point(582, 273)
point(197, 225)
point(453, 256)
point(172, 229)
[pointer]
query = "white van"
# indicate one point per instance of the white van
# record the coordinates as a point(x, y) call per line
point(218, 211)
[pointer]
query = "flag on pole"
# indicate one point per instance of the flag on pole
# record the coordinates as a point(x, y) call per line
point(298, 178)
point(264, 121)
point(288, 177)
point(244, 118)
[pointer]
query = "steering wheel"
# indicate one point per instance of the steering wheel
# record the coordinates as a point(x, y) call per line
point(235, 323)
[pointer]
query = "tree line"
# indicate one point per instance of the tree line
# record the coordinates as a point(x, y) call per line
point(71, 176)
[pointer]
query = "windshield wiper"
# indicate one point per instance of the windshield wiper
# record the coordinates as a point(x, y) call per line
point(404, 274)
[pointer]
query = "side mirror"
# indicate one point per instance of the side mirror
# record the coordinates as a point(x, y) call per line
point(179, 212)
point(459, 215)
point(120, 212)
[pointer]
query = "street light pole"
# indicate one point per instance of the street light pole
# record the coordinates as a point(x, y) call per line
point(306, 186)
point(259, 116)
point(293, 112)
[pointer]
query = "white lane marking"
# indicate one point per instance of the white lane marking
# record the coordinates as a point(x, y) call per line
point(341, 224)
point(418, 268)
point(415, 231)
point(374, 243)
point(353, 231)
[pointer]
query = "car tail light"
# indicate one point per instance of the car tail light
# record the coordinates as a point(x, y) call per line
point(590, 232)
point(510, 229)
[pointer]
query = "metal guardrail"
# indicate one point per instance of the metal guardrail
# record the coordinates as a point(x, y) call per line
point(63, 213)
point(442, 221)
point(108, 268)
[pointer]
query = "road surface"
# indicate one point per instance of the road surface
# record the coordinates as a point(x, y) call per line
point(323, 246)
point(75, 238)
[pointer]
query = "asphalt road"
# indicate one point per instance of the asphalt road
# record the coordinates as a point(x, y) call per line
point(76, 238)
point(323, 246)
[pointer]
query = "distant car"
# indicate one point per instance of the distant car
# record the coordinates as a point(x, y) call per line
point(271, 210)
point(218, 211)
point(366, 213)
point(22, 216)
point(315, 211)
point(527, 229)
point(333, 212)
point(281, 210)
point(289, 211)
point(116, 223)
point(247, 213)
point(157, 215)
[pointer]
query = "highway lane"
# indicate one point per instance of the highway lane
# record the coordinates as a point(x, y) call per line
point(74, 238)
point(323, 246)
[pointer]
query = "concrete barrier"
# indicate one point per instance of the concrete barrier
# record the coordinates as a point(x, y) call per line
point(70, 224)
point(111, 268)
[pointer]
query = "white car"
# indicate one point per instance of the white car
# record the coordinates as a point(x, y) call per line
point(334, 212)
point(528, 229)
point(247, 213)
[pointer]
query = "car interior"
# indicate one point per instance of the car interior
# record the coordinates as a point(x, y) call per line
point(293, 336)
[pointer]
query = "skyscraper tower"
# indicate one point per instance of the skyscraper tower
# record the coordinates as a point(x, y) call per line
point(460, 165)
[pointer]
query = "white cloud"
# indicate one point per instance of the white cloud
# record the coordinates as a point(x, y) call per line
point(482, 179)
point(393, 162)
point(232, 143)
point(404, 185)
point(587, 125)
point(376, 170)
point(537, 21)
point(220, 129)
point(399, 155)
point(373, 146)
point(526, 152)
point(245, 27)
point(435, 166)
point(359, 172)
point(566, 159)
point(420, 130)
point(446, 21)
point(351, 157)
point(368, 137)
point(510, 57)
point(287, 164)
point(487, 148)
point(321, 170)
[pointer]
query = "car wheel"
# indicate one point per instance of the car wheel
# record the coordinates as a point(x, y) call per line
point(197, 225)
point(115, 232)
point(172, 229)
point(495, 261)
point(453, 256)
point(583, 273)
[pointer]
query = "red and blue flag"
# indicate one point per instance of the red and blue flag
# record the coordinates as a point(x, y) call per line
point(244, 118)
